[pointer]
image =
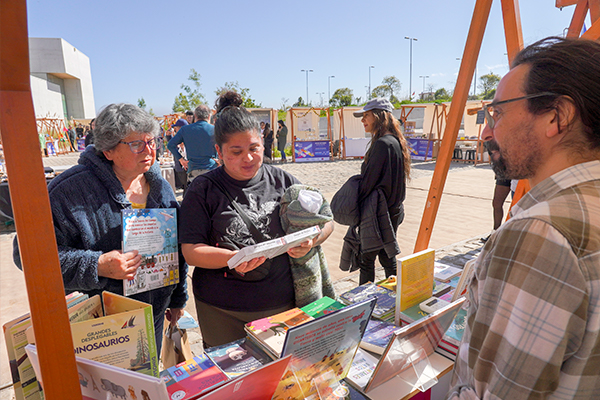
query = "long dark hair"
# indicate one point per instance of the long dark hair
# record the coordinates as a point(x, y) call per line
point(385, 123)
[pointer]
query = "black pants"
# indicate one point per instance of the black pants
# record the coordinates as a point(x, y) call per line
point(367, 260)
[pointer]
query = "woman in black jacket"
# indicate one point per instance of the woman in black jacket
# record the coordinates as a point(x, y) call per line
point(386, 168)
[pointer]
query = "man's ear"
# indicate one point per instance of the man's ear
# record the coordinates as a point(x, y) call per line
point(562, 117)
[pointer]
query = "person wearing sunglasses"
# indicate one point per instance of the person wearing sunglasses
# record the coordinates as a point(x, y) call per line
point(117, 172)
point(533, 322)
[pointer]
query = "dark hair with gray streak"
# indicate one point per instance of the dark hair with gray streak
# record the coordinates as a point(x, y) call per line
point(232, 120)
point(117, 121)
point(566, 67)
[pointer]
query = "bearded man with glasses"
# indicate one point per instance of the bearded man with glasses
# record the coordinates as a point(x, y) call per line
point(117, 172)
point(534, 315)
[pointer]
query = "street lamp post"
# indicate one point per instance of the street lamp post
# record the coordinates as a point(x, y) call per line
point(307, 71)
point(369, 96)
point(410, 77)
point(329, 89)
point(424, 77)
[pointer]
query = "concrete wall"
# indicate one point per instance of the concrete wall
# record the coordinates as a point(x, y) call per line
point(51, 58)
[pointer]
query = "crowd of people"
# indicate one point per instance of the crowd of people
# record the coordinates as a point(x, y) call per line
point(534, 300)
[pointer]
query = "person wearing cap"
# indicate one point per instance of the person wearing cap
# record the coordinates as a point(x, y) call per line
point(386, 169)
point(199, 142)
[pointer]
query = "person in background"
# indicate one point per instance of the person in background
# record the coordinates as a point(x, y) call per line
point(501, 189)
point(89, 138)
point(180, 167)
point(212, 231)
point(268, 138)
point(189, 117)
point(386, 169)
point(198, 139)
point(79, 131)
point(282, 132)
point(533, 322)
point(117, 172)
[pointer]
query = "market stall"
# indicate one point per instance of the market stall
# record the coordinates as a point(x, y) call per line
point(311, 134)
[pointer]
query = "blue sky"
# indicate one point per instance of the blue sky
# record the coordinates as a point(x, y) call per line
point(147, 48)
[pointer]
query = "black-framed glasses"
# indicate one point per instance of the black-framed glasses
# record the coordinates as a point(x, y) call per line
point(489, 109)
point(137, 146)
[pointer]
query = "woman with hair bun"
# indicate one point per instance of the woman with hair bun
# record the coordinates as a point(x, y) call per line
point(212, 231)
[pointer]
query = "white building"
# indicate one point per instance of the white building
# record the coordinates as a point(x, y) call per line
point(61, 80)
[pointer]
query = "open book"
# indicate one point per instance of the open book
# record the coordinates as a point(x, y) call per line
point(273, 248)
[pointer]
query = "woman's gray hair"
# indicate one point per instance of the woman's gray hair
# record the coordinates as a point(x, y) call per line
point(117, 121)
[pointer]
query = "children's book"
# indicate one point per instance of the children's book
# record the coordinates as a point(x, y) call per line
point(325, 344)
point(25, 383)
point(238, 357)
point(122, 336)
point(270, 332)
point(378, 335)
point(258, 384)
point(415, 280)
point(273, 248)
point(190, 379)
point(386, 299)
point(99, 381)
point(325, 305)
point(153, 233)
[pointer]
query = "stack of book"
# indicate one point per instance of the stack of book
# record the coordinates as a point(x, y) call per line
point(386, 299)
point(238, 357)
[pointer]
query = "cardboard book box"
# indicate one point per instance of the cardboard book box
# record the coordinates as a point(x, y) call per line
point(123, 337)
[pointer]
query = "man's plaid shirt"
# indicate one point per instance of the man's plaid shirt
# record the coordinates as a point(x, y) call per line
point(534, 317)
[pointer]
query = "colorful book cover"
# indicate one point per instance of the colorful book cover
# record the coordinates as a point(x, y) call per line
point(99, 381)
point(258, 384)
point(326, 343)
point(153, 233)
point(325, 305)
point(386, 299)
point(238, 357)
point(415, 280)
point(191, 378)
point(377, 336)
point(123, 337)
point(412, 314)
point(271, 331)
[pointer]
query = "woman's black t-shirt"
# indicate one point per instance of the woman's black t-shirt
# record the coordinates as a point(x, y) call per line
point(208, 217)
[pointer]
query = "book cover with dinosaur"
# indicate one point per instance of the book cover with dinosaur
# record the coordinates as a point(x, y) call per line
point(122, 337)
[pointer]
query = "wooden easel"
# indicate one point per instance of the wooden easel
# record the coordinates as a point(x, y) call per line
point(514, 43)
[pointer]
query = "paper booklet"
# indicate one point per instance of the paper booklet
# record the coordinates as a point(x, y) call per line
point(153, 233)
point(273, 248)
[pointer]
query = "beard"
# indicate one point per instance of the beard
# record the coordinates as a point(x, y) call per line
point(519, 161)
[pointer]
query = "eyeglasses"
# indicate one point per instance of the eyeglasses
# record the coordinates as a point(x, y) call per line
point(137, 146)
point(489, 109)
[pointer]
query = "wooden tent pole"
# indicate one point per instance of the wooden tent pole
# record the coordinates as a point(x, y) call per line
point(512, 28)
point(577, 20)
point(461, 92)
point(593, 33)
point(31, 208)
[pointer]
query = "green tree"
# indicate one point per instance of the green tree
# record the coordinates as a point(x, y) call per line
point(390, 86)
point(191, 97)
point(141, 103)
point(342, 97)
point(442, 94)
point(244, 92)
point(300, 103)
point(489, 83)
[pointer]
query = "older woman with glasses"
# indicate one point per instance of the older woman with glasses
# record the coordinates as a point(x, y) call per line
point(117, 172)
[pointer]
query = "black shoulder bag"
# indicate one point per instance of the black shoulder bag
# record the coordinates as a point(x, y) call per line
point(260, 272)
